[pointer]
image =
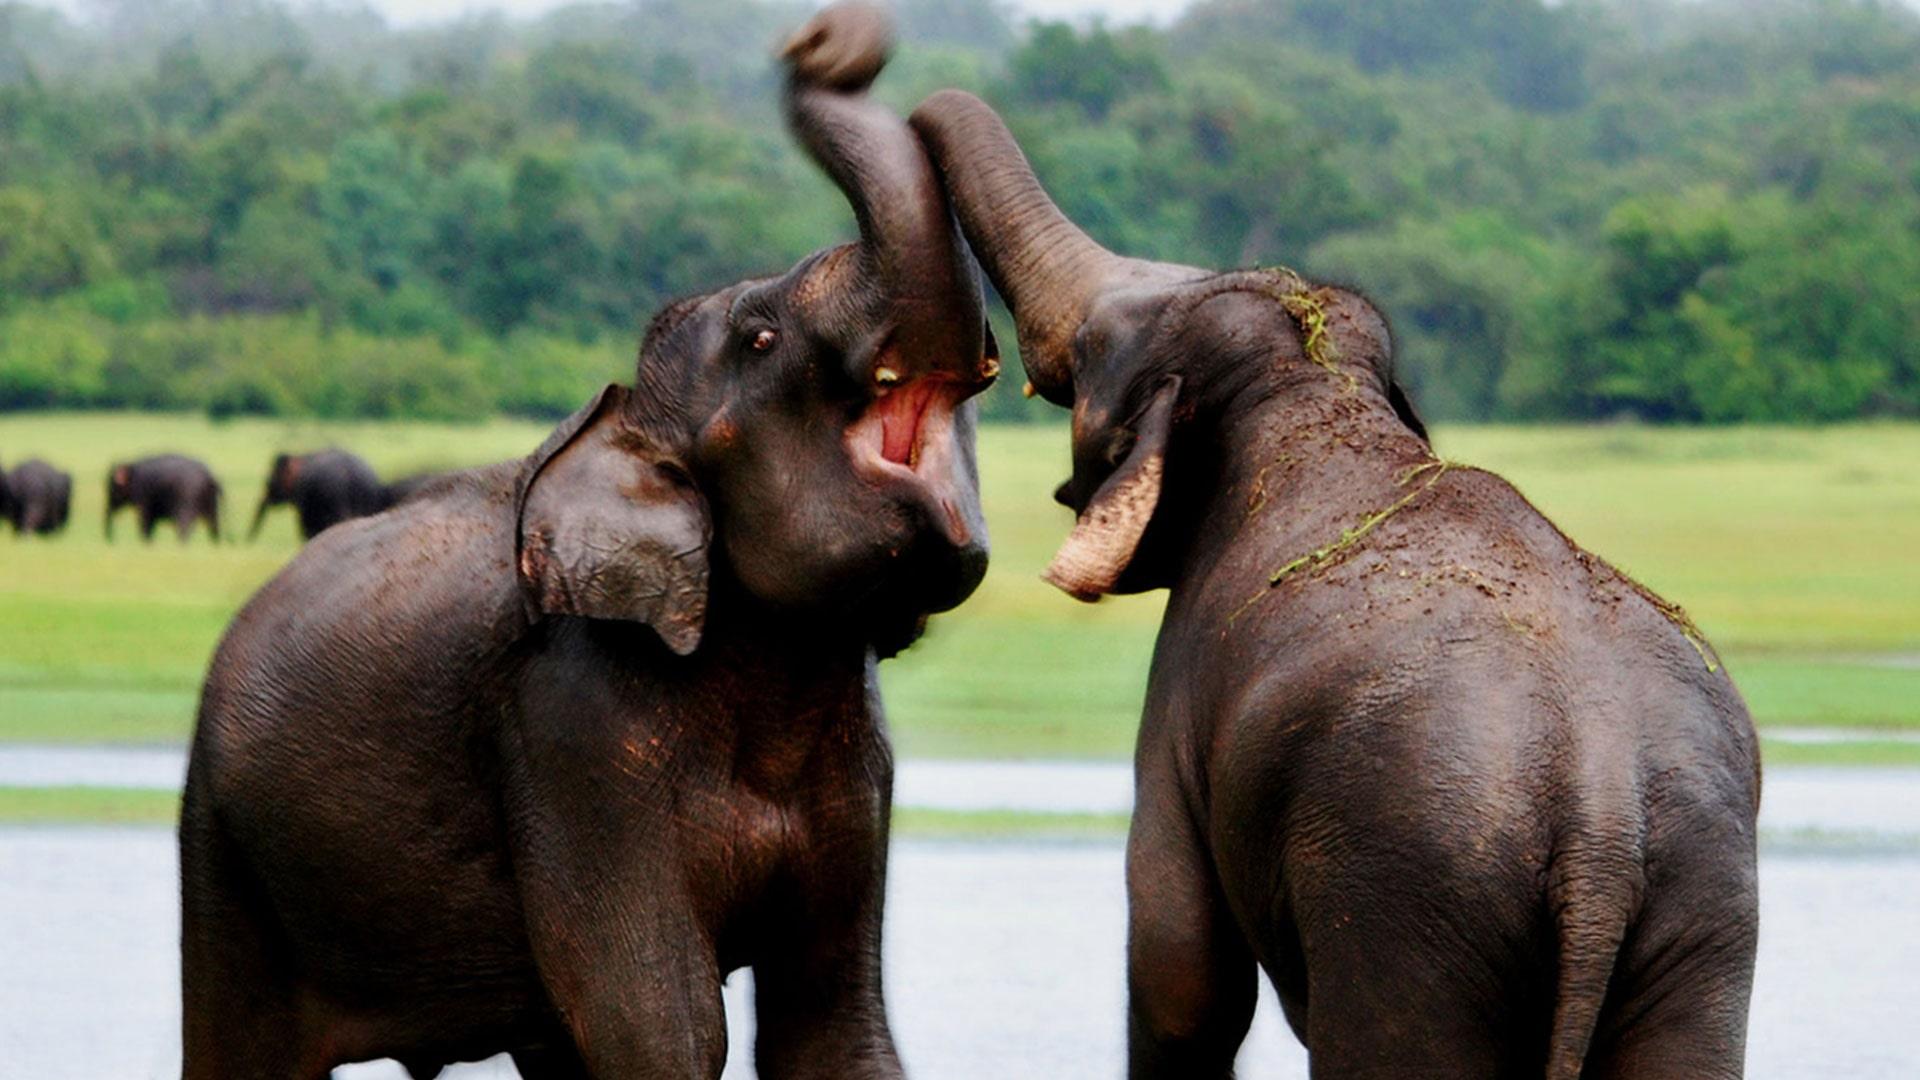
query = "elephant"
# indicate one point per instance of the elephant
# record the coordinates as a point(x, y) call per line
point(329, 486)
point(531, 762)
point(39, 497)
point(168, 487)
point(325, 487)
point(1478, 804)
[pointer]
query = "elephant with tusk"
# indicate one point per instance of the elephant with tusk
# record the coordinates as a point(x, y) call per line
point(1478, 804)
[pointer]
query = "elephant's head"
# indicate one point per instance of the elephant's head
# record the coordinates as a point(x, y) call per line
point(119, 487)
point(119, 492)
point(807, 437)
point(1138, 350)
point(281, 477)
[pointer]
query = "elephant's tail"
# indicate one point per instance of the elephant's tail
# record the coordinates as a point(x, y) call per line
point(1593, 893)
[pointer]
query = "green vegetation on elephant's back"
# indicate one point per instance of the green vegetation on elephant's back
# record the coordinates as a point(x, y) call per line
point(1791, 547)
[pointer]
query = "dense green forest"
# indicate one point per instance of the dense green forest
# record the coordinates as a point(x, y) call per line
point(1686, 210)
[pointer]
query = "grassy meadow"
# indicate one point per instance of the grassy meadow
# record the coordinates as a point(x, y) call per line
point(1797, 550)
point(121, 806)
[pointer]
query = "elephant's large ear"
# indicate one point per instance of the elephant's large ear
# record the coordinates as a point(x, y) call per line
point(610, 529)
point(1104, 539)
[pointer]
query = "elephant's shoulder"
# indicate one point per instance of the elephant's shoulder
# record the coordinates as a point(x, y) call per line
point(437, 570)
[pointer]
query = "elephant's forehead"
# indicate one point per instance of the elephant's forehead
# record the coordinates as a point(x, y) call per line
point(830, 273)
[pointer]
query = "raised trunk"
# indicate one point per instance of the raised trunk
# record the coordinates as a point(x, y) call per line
point(910, 261)
point(1048, 270)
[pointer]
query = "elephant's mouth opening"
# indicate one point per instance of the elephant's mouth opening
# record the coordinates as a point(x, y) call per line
point(905, 444)
point(901, 414)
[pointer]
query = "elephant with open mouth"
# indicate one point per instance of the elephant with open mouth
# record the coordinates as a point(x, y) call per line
point(531, 762)
point(1477, 803)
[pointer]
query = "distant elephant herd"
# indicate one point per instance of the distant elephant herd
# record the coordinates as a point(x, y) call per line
point(529, 760)
point(325, 488)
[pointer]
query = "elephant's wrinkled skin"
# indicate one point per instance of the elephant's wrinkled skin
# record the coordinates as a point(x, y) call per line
point(449, 797)
point(167, 487)
point(39, 498)
point(1479, 805)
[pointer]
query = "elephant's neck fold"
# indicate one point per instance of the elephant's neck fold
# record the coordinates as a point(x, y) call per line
point(1300, 470)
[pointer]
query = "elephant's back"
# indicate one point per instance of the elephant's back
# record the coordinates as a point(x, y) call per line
point(345, 736)
point(164, 480)
point(179, 467)
point(336, 485)
point(379, 612)
point(37, 476)
point(348, 468)
point(1455, 715)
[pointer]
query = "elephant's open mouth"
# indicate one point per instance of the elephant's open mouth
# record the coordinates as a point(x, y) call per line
point(905, 445)
point(900, 414)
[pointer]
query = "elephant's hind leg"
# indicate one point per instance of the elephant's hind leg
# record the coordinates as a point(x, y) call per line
point(1400, 990)
point(1683, 1013)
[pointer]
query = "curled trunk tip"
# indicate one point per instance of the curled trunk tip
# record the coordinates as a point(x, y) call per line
point(908, 243)
point(842, 48)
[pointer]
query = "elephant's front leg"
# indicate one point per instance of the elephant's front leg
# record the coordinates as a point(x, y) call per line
point(629, 967)
point(817, 994)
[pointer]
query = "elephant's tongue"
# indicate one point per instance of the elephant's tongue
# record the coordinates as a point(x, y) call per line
point(900, 413)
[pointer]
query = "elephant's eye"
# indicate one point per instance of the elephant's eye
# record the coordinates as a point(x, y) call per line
point(1119, 445)
point(763, 341)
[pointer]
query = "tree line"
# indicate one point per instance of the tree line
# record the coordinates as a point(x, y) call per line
point(1681, 210)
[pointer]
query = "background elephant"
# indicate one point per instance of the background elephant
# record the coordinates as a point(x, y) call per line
point(1480, 805)
point(39, 497)
point(325, 487)
point(532, 762)
point(169, 487)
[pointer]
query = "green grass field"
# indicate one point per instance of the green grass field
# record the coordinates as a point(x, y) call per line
point(1795, 549)
point(116, 806)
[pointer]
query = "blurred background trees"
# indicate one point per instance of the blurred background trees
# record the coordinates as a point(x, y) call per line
point(1683, 210)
